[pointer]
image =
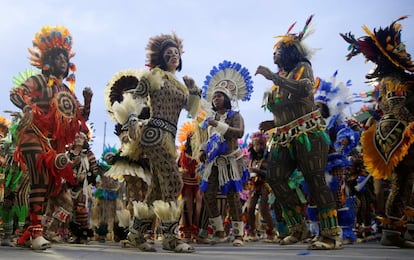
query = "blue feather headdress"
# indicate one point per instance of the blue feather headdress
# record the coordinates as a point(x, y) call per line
point(336, 96)
point(232, 79)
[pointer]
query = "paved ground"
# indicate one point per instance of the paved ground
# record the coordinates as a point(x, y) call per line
point(251, 251)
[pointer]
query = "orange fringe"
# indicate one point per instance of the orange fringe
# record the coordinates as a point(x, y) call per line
point(373, 161)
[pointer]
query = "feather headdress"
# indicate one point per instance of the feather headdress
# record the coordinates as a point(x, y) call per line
point(335, 95)
point(379, 44)
point(52, 38)
point(231, 79)
point(296, 39)
point(186, 131)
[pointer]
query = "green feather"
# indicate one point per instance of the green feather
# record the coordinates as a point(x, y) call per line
point(307, 143)
point(6, 215)
point(16, 180)
point(300, 139)
point(9, 177)
point(275, 153)
point(21, 212)
point(291, 152)
point(325, 137)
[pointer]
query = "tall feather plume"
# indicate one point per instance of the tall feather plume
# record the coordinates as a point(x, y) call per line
point(290, 28)
point(306, 27)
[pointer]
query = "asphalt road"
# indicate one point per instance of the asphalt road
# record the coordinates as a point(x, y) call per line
point(252, 251)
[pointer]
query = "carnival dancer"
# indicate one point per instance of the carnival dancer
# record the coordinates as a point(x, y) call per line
point(333, 97)
point(194, 222)
point(13, 185)
point(224, 166)
point(52, 116)
point(86, 170)
point(167, 98)
point(387, 144)
point(128, 164)
point(299, 140)
point(107, 198)
point(260, 190)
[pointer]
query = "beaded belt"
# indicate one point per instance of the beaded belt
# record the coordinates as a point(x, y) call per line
point(284, 135)
point(163, 124)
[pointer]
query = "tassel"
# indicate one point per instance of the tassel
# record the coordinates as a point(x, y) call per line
point(307, 142)
point(50, 82)
point(16, 180)
point(21, 212)
point(325, 137)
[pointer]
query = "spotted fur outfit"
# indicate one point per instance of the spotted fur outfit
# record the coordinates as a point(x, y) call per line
point(168, 97)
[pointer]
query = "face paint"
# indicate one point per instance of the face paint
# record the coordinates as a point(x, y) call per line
point(60, 64)
point(172, 58)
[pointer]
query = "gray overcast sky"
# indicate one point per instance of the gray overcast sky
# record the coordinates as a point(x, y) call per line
point(110, 36)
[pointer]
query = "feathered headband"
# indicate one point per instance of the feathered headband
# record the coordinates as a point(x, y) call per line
point(157, 45)
point(186, 130)
point(231, 79)
point(296, 39)
point(52, 38)
point(381, 43)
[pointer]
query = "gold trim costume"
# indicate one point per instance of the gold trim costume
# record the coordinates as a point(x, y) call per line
point(387, 144)
point(299, 140)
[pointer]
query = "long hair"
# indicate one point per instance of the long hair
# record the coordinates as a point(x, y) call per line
point(163, 64)
point(290, 57)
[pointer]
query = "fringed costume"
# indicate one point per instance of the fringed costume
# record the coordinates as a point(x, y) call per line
point(85, 170)
point(192, 225)
point(128, 165)
point(167, 97)
point(333, 98)
point(260, 189)
point(106, 200)
point(224, 166)
point(299, 140)
point(387, 144)
point(51, 118)
point(13, 185)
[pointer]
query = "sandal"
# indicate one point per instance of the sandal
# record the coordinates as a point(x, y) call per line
point(219, 240)
point(136, 241)
point(172, 243)
point(325, 243)
point(238, 242)
point(184, 248)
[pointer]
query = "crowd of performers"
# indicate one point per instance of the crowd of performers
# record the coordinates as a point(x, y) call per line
point(311, 173)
